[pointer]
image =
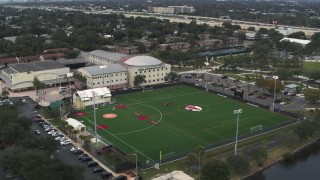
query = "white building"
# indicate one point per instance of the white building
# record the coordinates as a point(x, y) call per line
point(21, 76)
point(299, 41)
point(112, 76)
point(286, 31)
point(76, 124)
point(183, 9)
point(155, 71)
point(101, 57)
point(99, 96)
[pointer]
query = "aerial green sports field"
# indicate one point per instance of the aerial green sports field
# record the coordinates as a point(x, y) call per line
point(153, 121)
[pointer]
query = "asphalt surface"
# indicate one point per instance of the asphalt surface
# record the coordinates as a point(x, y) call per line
point(63, 153)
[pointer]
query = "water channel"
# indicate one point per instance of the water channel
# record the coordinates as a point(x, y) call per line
point(305, 167)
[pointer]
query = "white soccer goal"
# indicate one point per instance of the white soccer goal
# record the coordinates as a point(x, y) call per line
point(256, 128)
point(145, 89)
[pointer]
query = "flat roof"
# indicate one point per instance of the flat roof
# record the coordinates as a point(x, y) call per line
point(71, 61)
point(299, 41)
point(112, 56)
point(33, 66)
point(105, 69)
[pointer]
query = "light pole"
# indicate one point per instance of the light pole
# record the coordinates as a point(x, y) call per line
point(94, 94)
point(274, 91)
point(136, 165)
point(237, 111)
point(103, 67)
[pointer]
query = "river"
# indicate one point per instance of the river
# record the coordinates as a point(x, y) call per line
point(305, 167)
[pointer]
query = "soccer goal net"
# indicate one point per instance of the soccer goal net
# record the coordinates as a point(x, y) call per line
point(145, 89)
point(256, 128)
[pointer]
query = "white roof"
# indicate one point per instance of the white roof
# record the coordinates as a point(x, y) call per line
point(292, 86)
point(293, 40)
point(112, 56)
point(175, 175)
point(75, 123)
point(86, 95)
point(143, 61)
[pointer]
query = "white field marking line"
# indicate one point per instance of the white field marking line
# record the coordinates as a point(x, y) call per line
point(124, 133)
point(122, 141)
point(167, 97)
point(185, 133)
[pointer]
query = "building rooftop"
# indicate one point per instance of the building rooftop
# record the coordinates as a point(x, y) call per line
point(142, 61)
point(299, 41)
point(108, 55)
point(106, 69)
point(87, 94)
point(33, 66)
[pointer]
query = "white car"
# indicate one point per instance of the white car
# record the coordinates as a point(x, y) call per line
point(62, 139)
point(52, 131)
point(55, 134)
point(58, 138)
point(75, 148)
point(65, 142)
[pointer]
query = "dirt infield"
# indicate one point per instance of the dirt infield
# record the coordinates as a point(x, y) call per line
point(110, 116)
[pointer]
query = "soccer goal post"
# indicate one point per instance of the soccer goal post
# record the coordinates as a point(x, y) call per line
point(255, 128)
point(145, 89)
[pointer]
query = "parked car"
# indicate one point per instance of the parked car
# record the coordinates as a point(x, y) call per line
point(92, 164)
point(37, 132)
point(106, 175)
point(58, 137)
point(55, 134)
point(65, 142)
point(23, 100)
point(74, 148)
point(77, 151)
point(52, 131)
point(62, 139)
point(82, 156)
point(98, 169)
point(86, 159)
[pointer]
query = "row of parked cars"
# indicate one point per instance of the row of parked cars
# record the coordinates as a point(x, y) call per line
point(83, 157)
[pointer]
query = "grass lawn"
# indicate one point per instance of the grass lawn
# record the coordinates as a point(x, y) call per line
point(177, 130)
point(311, 66)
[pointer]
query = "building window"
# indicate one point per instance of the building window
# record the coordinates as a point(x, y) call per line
point(153, 70)
point(149, 76)
point(117, 80)
point(149, 70)
point(116, 74)
point(112, 75)
point(125, 79)
point(157, 79)
point(162, 79)
point(145, 71)
point(153, 80)
point(125, 73)
point(136, 72)
point(112, 81)
point(157, 69)
point(149, 80)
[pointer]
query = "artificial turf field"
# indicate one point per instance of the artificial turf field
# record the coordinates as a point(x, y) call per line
point(178, 130)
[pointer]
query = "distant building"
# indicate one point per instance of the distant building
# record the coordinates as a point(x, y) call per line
point(124, 50)
point(112, 76)
point(12, 39)
point(286, 31)
point(16, 60)
point(175, 46)
point(56, 50)
point(204, 36)
point(101, 57)
point(183, 9)
point(54, 56)
point(251, 36)
point(299, 41)
point(21, 76)
point(208, 43)
point(162, 10)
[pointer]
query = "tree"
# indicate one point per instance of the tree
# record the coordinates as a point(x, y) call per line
point(269, 84)
point(238, 164)
point(139, 79)
point(5, 93)
point(172, 76)
point(38, 84)
point(216, 170)
point(312, 95)
point(260, 154)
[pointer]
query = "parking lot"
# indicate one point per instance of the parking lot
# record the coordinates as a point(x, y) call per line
point(63, 152)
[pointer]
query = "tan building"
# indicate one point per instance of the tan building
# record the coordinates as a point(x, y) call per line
point(175, 46)
point(155, 71)
point(209, 43)
point(113, 76)
point(101, 57)
point(21, 76)
point(99, 96)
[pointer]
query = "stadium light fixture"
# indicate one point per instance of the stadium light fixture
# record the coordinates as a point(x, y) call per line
point(237, 111)
point(274, 91)
point(94, 94)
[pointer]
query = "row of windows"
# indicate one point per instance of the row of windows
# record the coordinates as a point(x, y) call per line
point(153, 80)
point(152, 70)
point(98, 77)
point(125, 84)
point(155, 75)
point(113, 81)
